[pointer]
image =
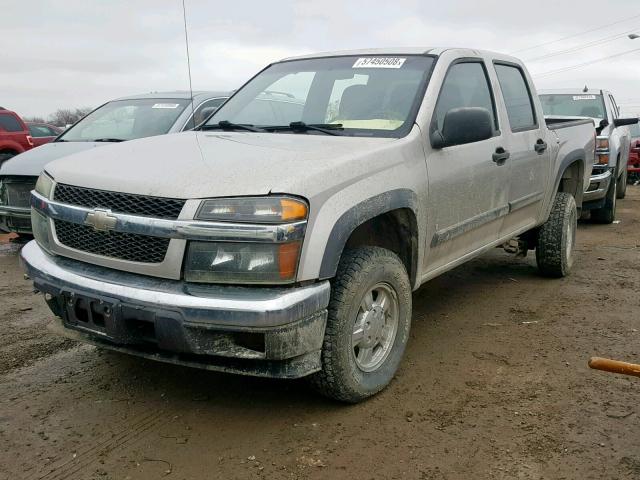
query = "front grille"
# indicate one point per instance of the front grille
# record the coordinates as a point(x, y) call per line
point(18, 194)
point(128, 203)
point(123, 246)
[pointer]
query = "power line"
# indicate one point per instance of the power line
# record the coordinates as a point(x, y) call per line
point(582, 47)
point(577, 34)
point(580, 65)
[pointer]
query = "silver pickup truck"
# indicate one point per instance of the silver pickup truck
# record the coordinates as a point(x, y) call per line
point(608, 182)
point(286, 242)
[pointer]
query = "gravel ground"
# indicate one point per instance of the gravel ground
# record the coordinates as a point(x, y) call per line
point(494, 384)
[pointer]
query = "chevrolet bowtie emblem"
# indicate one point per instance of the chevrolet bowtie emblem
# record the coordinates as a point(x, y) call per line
point(101, 220)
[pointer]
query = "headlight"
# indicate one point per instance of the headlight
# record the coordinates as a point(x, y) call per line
point(235, 262)
point(40, 227)
point(253, 210)
point(44, 185)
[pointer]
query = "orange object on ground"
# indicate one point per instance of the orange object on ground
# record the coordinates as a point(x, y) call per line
point(614, 366)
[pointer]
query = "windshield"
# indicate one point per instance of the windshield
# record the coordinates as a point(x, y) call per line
point(127, 120)
point(573, 105)
point(634, 130)
point(367, 96)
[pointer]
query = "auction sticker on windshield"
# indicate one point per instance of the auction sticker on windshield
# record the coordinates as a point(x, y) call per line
point(165, 105)
point(584, 97)
point(379, 62)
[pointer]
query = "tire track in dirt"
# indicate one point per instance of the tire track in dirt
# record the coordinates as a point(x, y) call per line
point(128, 434)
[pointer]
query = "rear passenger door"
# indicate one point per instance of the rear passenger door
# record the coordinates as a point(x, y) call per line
point(467, 183)
point(529, 153)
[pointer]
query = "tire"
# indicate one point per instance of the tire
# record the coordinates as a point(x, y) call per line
point(349, 373)
point(607, 214)
point(622, 185)
point(556, 238)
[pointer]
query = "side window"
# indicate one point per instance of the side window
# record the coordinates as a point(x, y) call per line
point(203, 111)
point(517, 97)
point(466, 85)
point(9, 123)
point(614, 107)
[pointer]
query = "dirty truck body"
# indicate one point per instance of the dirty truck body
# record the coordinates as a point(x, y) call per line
point(266, 246)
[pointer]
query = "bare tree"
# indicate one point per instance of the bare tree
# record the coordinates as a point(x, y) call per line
point(34, 119)
point(66, 116)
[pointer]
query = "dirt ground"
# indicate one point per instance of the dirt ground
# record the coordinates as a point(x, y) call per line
point(494, 384)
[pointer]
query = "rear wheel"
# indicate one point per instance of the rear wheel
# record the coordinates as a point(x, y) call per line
point(557, 236)
point(367, 327)
point(607, 214)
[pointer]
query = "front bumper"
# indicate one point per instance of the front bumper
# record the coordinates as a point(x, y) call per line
point(273, 332)
point(15, 219)
point(598, 187)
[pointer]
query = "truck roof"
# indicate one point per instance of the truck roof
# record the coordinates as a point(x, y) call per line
point(406, 51)
point(177, 94)
point(571, 91)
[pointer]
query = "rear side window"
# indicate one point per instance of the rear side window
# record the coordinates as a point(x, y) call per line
point(9, 123)
point(516, 97)
point(466, 85)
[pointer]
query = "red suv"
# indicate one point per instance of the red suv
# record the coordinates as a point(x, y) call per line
point(634, 154)
point(15, 137)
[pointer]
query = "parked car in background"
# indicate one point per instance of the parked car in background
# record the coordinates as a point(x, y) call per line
point(609, 180)
point(122, 119)
point(633, 166)
point(15, 137)
point(284, 237)
point(42, 133)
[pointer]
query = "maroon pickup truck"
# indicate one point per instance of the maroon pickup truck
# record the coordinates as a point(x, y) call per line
point(15, 137)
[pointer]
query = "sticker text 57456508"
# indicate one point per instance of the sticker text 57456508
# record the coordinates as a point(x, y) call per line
point(379, 62)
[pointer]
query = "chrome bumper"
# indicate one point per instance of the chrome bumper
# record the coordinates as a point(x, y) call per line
point(601, 183)
point(186, 319)
point(15, 219)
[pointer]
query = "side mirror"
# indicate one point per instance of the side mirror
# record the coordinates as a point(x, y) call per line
point(621, 122)
point(463, 125)
point(603, 123)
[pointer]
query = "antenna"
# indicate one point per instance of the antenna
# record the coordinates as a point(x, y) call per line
point(186, 40)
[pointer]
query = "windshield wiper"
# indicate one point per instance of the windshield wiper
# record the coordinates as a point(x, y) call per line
point(109, 140)
point(227, 125)
point(325, 128)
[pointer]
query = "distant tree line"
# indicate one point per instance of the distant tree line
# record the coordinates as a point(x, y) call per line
point(61, 117)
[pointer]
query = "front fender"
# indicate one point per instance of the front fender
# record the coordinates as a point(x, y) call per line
point(356, 216)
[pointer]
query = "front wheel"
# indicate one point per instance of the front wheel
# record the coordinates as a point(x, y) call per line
point(557, 237)
point(622, 184)
point(367, 326)
point(607, 214)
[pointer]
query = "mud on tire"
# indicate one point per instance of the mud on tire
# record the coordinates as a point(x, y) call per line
point(556, 238)
point(345, 376)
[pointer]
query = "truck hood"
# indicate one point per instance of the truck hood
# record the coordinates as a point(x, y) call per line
point(32, 162)
point(217, 164)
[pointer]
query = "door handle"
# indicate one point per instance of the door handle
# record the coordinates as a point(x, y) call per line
point(500, 156)
point(540, 146)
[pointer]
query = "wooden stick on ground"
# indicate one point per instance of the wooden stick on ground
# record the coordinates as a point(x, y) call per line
point(614, 366)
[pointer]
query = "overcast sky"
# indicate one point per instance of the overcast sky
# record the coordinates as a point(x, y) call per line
point(76, 53)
